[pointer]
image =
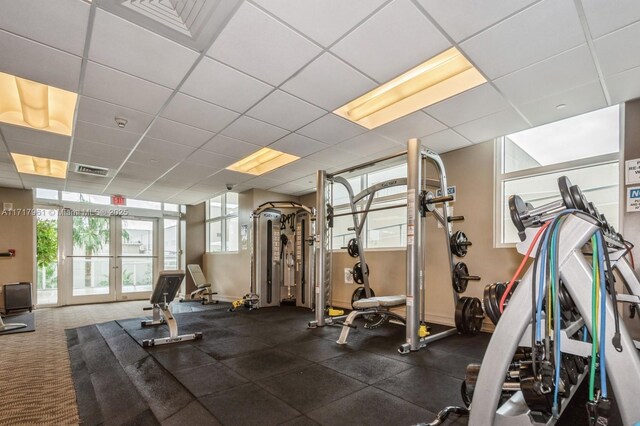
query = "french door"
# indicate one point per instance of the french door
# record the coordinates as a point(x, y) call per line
point(108, 258)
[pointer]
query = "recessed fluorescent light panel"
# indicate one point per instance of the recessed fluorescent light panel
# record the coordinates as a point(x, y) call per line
point(38, 106)
point(262, 162)
point(40, 166)
point(441, 77)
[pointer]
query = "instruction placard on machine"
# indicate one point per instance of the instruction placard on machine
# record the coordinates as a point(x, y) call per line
point(450, 191)
point(633, 199)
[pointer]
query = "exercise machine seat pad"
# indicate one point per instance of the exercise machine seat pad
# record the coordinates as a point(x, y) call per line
point(198, 277)
point(380, 301)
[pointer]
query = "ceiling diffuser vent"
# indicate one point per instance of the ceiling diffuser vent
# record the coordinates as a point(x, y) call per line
point(91, 170)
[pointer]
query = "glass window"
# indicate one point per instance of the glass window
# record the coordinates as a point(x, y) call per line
point(222, 223)
point(583, 148)
point(46, 194)
point(168, 207)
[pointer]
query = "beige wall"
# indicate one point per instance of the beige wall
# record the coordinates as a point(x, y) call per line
point(631, 221)
point(17, 232)
point(230, 273)
point(195, 244)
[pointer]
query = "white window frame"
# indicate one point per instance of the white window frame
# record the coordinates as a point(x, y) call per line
point(223, 218)
point(500, 178)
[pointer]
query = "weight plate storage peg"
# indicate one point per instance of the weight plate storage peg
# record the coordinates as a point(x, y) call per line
point(358, 273)
point(469, 315)
point(461, 277)
point(459, 244)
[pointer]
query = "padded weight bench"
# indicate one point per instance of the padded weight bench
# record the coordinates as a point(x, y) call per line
point(378, 305)
point(203, 286)
point(163, 294)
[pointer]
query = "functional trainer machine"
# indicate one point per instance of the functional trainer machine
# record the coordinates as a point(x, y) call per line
point(282, 257)
point(165, 291)
point(569, 294)
point(419, 202)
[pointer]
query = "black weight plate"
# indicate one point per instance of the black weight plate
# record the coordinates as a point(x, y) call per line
point(460, 271)
point(580, 363)
point(475, 315)
point(461, 324)
point(352, 248)
point(357, 273)
point(459, 243)
point(578, 198)
point(360, 293)
point(517, 208)
point(564, 184)
point(489, 308)
point(570, 366)
point(566, 302)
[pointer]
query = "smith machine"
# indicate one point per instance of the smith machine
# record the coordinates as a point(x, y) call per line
point(419, 202)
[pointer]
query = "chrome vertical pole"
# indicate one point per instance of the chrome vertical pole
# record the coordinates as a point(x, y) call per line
point(414, 261)
point(321, 246)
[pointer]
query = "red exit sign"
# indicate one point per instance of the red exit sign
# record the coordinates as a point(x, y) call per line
point(118, 200)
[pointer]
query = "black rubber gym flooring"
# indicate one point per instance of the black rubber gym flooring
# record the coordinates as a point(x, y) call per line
point(263, 367)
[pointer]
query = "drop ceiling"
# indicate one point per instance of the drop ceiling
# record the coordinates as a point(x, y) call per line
point(203, 84)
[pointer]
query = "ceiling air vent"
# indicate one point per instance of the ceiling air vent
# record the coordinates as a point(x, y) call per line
point(91, 170)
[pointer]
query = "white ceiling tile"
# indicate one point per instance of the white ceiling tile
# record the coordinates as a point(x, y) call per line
point(146, 173)
point(86, 179)
point(190, 172)
point(103, 113)
point(61, 24)
point(8, 172)
point(298, 145)
point(577, 101)
point(323, 21)
point(411, 126)
point(254, 131)
point(5, 158)
point(446, 140)
point(32, 181)
point(126, 186)
point(262, 182)
point(554, 75)
point(119, 44)
point(328, 83)
point(330, 157)
point(99, 153)
point(257, 44)
point(55, 152)
point(175, 132)
point(217, 83)
point(614, 50)
point(606, 16)
point(288, 188)
point(385, 45)
point(331, 129)
point(475, 103)
point(111, 162)
point(368, 143)
point(624, 86)
point(286, 111)
point(541, 31)
point(10, 183)
point(226, 177)
point(295, 170)
point(210, 159)
point(119, 88)
point(34, 136)
point(307, 182)
point(462, 18)
point(194, 112)
point(498, 124)
point(234, 148)
point(159, 148)
point(112, 136)
point(37, 62)
point(155, 195)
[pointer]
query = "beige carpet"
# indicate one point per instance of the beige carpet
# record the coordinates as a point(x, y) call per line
point(35, 377)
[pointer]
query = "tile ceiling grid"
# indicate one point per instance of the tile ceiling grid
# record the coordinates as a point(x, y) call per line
point(83, 69)
point(457, 46)
point(592, 49)
point(173, 94)
point(6, 146)
point(322, 51)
